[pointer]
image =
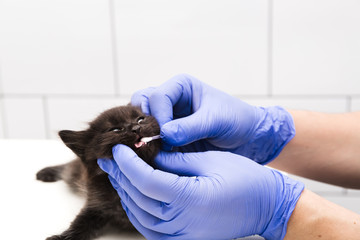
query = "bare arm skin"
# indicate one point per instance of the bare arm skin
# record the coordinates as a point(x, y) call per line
point(326, 148)
point(316, 218)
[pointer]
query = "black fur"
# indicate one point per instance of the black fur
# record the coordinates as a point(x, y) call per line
point(124, 124)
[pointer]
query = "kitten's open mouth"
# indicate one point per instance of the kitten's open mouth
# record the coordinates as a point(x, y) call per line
point(139, 144)
point(144, 140)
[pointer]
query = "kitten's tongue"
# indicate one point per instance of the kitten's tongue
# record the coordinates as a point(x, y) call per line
point(139, 144)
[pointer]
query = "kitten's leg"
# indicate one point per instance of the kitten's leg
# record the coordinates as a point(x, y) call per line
point(50, 174)
point(73, 173)
point(87, 225)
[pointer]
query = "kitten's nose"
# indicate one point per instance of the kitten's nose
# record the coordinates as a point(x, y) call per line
point(135, 129)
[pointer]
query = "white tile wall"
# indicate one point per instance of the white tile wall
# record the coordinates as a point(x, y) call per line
point(353, 193)
point(2, 134)
point(349, 202)
point(61, 46)
point(24, 117)
point(64, 61)
point(221, 42)
point(316, 47)
point(319, 187)
point(355, 104)
point(331, 105)
point(2, 123)
point(2, 111)
point(75, 113)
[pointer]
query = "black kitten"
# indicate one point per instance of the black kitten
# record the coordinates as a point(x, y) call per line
point(126, 125)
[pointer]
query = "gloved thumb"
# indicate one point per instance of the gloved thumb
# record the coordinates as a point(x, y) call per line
point(184, 164)
point(183, 131)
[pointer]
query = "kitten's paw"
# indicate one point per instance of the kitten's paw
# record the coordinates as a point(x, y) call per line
point(49, 174)
point(67, 237)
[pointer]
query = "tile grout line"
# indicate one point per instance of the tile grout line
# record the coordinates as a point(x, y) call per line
point(1, 80)
point(270, 48)
point(2, 107)
point(104, 96)
point(61, 95)
point(349, 103)
point(344, 192)
point(2, 113)
point(46, 116)
point(296, 96)
point(114, 47)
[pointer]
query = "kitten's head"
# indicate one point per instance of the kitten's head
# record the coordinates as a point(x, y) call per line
point(124, 124)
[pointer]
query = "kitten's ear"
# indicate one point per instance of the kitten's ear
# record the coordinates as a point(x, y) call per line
point(75, 140)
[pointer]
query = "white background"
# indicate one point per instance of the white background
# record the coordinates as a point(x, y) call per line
point(64, 61)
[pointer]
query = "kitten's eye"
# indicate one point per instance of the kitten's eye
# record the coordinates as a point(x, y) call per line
point(140, 119)
point(117, 129)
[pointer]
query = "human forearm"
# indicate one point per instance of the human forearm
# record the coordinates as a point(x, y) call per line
point(326, 148)
point(316, 218)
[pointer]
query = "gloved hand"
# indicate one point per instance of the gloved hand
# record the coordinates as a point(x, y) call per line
point(226, 199)
point(190, 111)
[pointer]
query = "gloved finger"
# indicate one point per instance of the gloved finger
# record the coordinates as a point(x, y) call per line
point(109, 166)
point(114, 183)
point(120, 183)
point(155, 184)
point(186, 130)
point(141, 99)
point(193, 164)
point(183, 164)
point(153, 207)
point(147, 233)
point(147, 220)
point(175, 94)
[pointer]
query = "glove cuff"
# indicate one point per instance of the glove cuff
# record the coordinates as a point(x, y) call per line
point(288, 196)
point(274, 130)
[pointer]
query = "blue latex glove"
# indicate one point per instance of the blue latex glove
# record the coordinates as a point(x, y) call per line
point(190, 111)
point(231, 198)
